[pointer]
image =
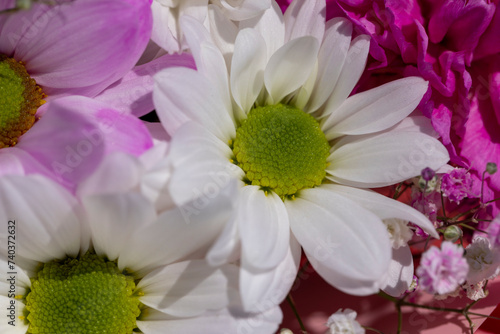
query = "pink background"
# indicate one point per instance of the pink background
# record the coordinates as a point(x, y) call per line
point(316, 301)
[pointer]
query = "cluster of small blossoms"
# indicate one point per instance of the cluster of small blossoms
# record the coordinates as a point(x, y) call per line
point(468, 255)
point(262, 152)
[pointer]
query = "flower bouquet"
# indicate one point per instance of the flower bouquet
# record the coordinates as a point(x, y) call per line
point(249, 166)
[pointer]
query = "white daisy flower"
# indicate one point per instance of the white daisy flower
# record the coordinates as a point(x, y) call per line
point(111, 265)
point(167, 32)
point(344, 322)
point(282, 124)
point(399, 232)
point(483, 260)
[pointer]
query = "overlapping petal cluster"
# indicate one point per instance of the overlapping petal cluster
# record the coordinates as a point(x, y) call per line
point(312, 66)
point(453, 45)
point(75, 48)
point(184, 208)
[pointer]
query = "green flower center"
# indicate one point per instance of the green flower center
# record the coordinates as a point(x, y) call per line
point(81, 296)
point(20, 98)
point(281, 148)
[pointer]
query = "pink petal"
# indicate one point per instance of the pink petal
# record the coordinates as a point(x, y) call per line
point(133, 93)
point(84, 44)
point(73, 136)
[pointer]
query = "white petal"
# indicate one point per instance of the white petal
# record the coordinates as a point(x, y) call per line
point(244, 9)
point(247, 69)
point(383, 159)
point(301, 97)
point(400, 272)
point(181, 94)
point(118, 172)
point(384, 207)
point(340, 234)
point(17, 326)
point(305, 18)
point(154, 182)
point(376, 109)
point(114, 219)
point(155, 188)
point(209, 60)
point(189, 288)
point(13, 282)
point(331, 58)
point(200, 165)
point(227, 246)
point(417, 124)
point(220, 322)
point(260, 290)
point(223, 32)
point(179, 233)
point(270, 26)
point(290, 67)
point(46, 223)
point(161, 33)
point(354, 65)
point(346, 284)
point(264, 228)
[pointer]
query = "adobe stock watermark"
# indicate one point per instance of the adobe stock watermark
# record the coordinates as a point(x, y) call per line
point(11, 274)
point(410, 165)
point(33, 26)
point(78, 152)
point(202, 196)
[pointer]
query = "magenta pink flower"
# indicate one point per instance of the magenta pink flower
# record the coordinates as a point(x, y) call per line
point(77, 47)
point(441, 271)
point(87, 48)
point(458, 184)
point(427, 203)
point(481, 140)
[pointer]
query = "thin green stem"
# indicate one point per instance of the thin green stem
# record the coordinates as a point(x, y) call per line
point(400, 318)
point(482, 186)
point(294, 309)
point(472, 228)
point(442, 208)
point(303, 269)
point(484, 315)
point(396, 191)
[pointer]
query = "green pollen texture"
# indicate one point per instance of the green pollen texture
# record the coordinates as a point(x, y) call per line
point(86, 295)
point(20, 98)
point(281, 148)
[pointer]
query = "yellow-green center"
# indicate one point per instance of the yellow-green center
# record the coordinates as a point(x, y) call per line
point(85, 295)
point(281, 148)
point(20, 98)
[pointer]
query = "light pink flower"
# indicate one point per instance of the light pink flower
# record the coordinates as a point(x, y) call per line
point(77, 47)
point(427, 203)
point(441, 271)
point(483, 260)
point(494, 232)
point(86, 48)
point(344, 321)
point(71, 139)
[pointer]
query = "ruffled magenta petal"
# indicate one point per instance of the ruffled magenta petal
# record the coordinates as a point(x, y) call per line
point(460, 23)
point(489, 43)
point(481, 141)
